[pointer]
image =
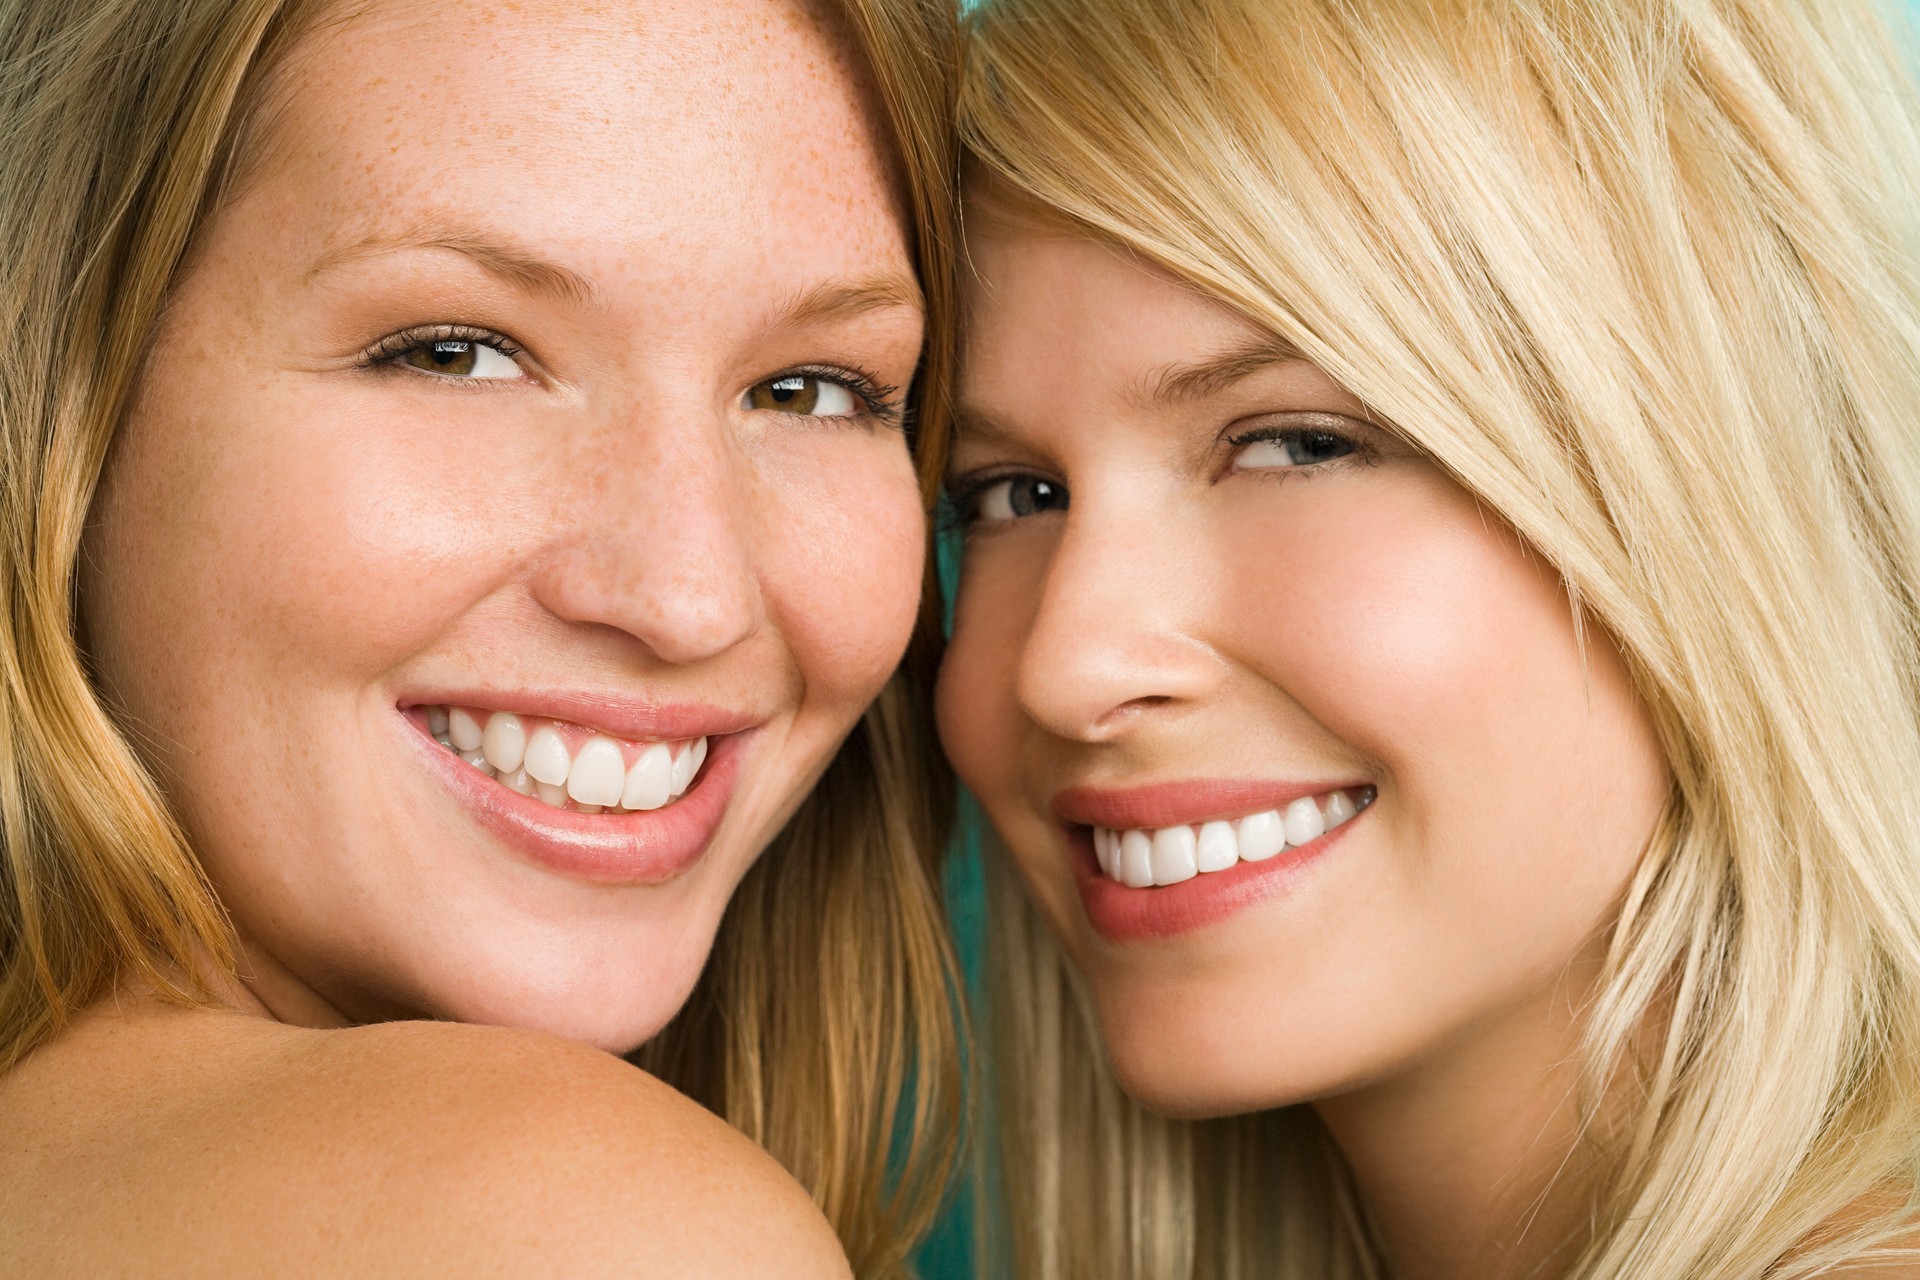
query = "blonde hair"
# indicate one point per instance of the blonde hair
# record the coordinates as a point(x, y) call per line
point(1644, 276)
point(823, 1027)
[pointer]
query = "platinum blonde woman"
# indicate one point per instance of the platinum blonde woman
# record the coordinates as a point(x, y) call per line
point(459, 519)
point(1437, 634)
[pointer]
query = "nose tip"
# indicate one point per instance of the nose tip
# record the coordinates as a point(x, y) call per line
point(1111, 641)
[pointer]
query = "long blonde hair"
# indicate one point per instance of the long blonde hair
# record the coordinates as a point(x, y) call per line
point(1644, 276)
point(823, 1027)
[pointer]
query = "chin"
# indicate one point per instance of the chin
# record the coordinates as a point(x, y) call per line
point(612, 1003)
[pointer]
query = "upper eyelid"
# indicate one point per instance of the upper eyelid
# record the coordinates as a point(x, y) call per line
point(882, 400)
point(401, 341)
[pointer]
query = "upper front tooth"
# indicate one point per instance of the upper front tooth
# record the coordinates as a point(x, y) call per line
point(1304, 821)
point(546, 757)
point(598, 773)
point(505, 741)
point(650, 781)
point(1262, 835)
point(1134, 866)
point(1339, 809)
point(682, 773)
point(463, 729)
point(1173, 850)
point(1218, 847)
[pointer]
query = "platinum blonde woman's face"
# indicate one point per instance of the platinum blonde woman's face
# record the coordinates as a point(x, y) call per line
point(514, 514)
point(1294, 745)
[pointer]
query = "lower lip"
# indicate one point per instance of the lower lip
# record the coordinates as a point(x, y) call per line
point(1120, 913)
point(648, 848)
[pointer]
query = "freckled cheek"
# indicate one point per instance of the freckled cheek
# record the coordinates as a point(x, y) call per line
point(843, 551)
point(246, 535)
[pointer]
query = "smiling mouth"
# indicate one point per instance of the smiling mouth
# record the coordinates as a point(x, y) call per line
point(568, 766)
point(1143, 858)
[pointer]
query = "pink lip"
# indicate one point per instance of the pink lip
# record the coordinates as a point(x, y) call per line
point(1171, 804)
point(621, 717)
point(602, 848)
point(1122, 914)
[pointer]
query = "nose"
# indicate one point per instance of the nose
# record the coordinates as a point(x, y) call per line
point(1117, 635)
point(656, 538)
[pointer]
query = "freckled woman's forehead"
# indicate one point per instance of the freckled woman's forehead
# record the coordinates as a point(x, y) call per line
point(705, 126)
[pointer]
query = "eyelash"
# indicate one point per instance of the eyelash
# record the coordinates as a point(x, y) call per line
point(881, 401)
point(389, 349)
point(955, 503)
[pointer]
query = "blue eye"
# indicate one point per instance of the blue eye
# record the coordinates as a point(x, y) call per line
point(1015, 498)
point(1301, 447)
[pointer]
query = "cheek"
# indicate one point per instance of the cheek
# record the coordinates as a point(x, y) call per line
point(270, 534)
point(844, 551)
point(974, 706)
point(1521, 776)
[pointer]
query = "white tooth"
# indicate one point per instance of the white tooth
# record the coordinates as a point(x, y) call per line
point(1339, 809)
point(699, 753)
point(1103, 848)
point(1136, 860)
point(1218, 849)
point(649, 782)
point(444, 740)
point(436, 720)
point(1262, 835)
point(505, 741)
point(682, 771)
point(463, 729)
point(598, 773)
point(478, 761)
point(519, 780)
point(1173, 861)
point(553, 795)
point(1304, 822)
point(546, 758)
point(589, 808)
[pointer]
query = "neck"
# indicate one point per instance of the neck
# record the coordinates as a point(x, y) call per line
point(1473, 1164)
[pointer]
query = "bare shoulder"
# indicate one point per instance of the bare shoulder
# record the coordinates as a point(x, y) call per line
point(238, 1147)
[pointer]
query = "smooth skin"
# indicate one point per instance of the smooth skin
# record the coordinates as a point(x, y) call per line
point(1233, 572)
point(637, 214)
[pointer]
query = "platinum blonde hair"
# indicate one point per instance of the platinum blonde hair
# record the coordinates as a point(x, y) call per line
point(1644, 276)
point(824, 1026)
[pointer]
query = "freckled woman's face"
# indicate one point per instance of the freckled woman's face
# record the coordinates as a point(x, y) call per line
point(537, 394)
point(1293, 745)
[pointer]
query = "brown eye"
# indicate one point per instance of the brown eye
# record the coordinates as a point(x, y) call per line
point(461, 358)
point(801, 393)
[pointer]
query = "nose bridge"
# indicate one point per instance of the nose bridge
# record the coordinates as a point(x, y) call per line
point(1119, 622)
point(656, 535)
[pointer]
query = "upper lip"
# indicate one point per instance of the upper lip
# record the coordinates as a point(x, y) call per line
point(1172, 804)
point(622, 716)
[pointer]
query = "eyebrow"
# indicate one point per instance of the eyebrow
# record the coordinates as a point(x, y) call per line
point(1198, 379)
point(843, 300)
point(499, 255)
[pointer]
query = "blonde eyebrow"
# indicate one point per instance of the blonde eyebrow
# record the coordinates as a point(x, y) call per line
point(1196, 380)
point(497, 254)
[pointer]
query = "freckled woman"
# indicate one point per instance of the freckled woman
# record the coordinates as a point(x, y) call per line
point(1437, 636)
point(459, 519)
